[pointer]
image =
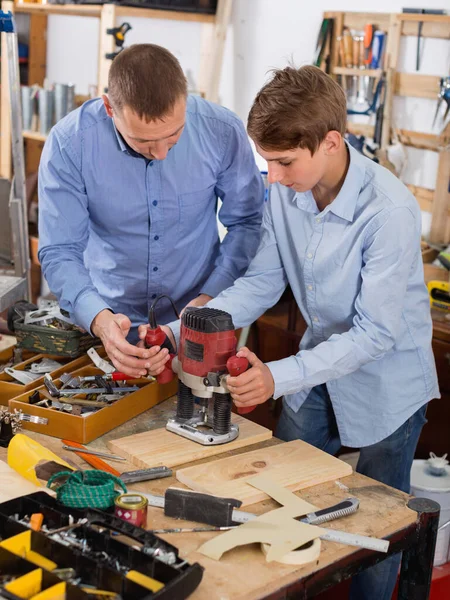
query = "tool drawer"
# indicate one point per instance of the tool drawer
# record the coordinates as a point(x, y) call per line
point(83, 551)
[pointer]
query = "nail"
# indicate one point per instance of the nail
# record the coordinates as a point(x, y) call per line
point(147, 365)
point(143, 373)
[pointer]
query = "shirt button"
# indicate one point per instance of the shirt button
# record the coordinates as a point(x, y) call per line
point(309, 255)
point(318, 220)
point(153, 296)
point(315, 319)
point(156, 238)
point(155, 202)
point(310, 287)
point(155, 268)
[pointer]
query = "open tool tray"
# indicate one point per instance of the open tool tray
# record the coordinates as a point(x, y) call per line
point(102, 560)
point(84, 429)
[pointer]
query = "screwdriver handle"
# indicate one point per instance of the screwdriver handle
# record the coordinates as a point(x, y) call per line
point(237, 365)
point(348, 48)
point(368, 40)
point(157, 337)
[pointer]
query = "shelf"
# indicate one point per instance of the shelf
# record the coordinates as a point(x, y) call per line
point(357, 72)
point(80, 10)
point(34, 135)
point(418, 139)
point(95, 10)
point(360, 129)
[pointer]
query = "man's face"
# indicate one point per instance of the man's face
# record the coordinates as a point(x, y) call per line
point(296, 168)
point(154, 139)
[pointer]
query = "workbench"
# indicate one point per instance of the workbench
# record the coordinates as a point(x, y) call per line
point(409, 524)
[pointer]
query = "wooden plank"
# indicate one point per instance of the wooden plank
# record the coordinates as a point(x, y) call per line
point(161, 447)
point(441, 204)
point(419, 139)
point(357, 72)
point(172, 15)
point(59, 9)
point(295, 465)
point(220, 33)
point(13, 484)
point(391, 63)
point(37, 62)
point(417, 86)
point(424, 196)
point(358, 20)
point(360, 129)
point(431, 28)
point(107, 45)
point(34, 135)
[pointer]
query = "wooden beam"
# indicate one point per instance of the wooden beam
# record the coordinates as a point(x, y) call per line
point(59, 9)
point(172, 15)
point(107, 45)
point(220, 33)
point(37, 61)
point(441, 203)
point(357, 72)
point(417, 86)
point(360, 129)
point(431, 29)
point(424, 196)
point(418, 139)
point(391, 62)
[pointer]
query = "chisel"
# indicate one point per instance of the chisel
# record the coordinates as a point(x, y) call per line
point(346, 507)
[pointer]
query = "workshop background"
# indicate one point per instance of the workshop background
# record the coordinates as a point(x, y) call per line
point(262, 35)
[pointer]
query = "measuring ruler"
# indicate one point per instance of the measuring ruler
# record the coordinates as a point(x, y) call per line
point(331, 535)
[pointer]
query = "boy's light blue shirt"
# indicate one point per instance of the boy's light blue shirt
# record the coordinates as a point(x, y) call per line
point(116, 230)
point(356, 272)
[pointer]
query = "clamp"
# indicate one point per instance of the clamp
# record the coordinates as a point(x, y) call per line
point(443, 96)
point(118, 34)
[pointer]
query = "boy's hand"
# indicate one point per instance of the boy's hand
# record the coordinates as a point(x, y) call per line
point(255, 386)
point(157, 357)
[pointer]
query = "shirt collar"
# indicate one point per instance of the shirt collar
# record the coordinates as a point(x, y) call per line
point(344, 204)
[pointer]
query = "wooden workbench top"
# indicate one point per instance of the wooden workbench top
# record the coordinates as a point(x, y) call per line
point(243, 572)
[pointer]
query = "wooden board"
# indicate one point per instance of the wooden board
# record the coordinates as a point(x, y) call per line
point(295, 465)
point(14, 485)
point(161, 447)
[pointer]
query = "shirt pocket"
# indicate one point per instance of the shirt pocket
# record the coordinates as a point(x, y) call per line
point(195, 208)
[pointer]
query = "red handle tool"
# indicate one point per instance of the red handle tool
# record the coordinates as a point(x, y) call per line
point(157, 337)
point(237, 365)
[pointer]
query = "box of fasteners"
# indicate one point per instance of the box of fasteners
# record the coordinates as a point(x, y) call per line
point(80, 424)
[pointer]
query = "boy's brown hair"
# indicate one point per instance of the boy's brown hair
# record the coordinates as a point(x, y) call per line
point(148, 79)
point(297, 109)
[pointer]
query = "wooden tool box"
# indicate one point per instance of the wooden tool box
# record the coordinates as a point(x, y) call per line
point(84, 429)
point(96, 556)
point(10, 388)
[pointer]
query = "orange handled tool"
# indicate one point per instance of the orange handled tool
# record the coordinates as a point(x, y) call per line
point(237, 365)
point(94, 461)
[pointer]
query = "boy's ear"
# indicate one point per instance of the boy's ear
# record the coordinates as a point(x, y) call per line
point(333, 142)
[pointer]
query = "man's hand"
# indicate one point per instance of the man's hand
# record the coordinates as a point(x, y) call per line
point(201, 300)
point(255, 386)
point(112, 329)
point(157, 357)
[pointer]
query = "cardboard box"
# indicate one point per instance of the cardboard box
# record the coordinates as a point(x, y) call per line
point(10, 388)
point(85, 429)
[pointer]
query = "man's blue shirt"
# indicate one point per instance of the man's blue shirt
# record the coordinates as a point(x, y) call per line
point(116, 230)
point(356, 272)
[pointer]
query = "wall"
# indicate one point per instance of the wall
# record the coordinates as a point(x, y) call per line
point(263, 34)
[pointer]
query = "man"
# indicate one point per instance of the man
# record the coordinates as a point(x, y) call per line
point(345, 234)
point(128, 189)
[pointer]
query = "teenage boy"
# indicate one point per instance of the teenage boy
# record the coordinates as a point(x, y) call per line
point(344, 233)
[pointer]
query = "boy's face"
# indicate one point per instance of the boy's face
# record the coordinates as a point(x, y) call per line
point(297, 168)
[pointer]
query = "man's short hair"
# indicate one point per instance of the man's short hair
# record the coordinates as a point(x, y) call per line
point(297, 109)
point(148, 79)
